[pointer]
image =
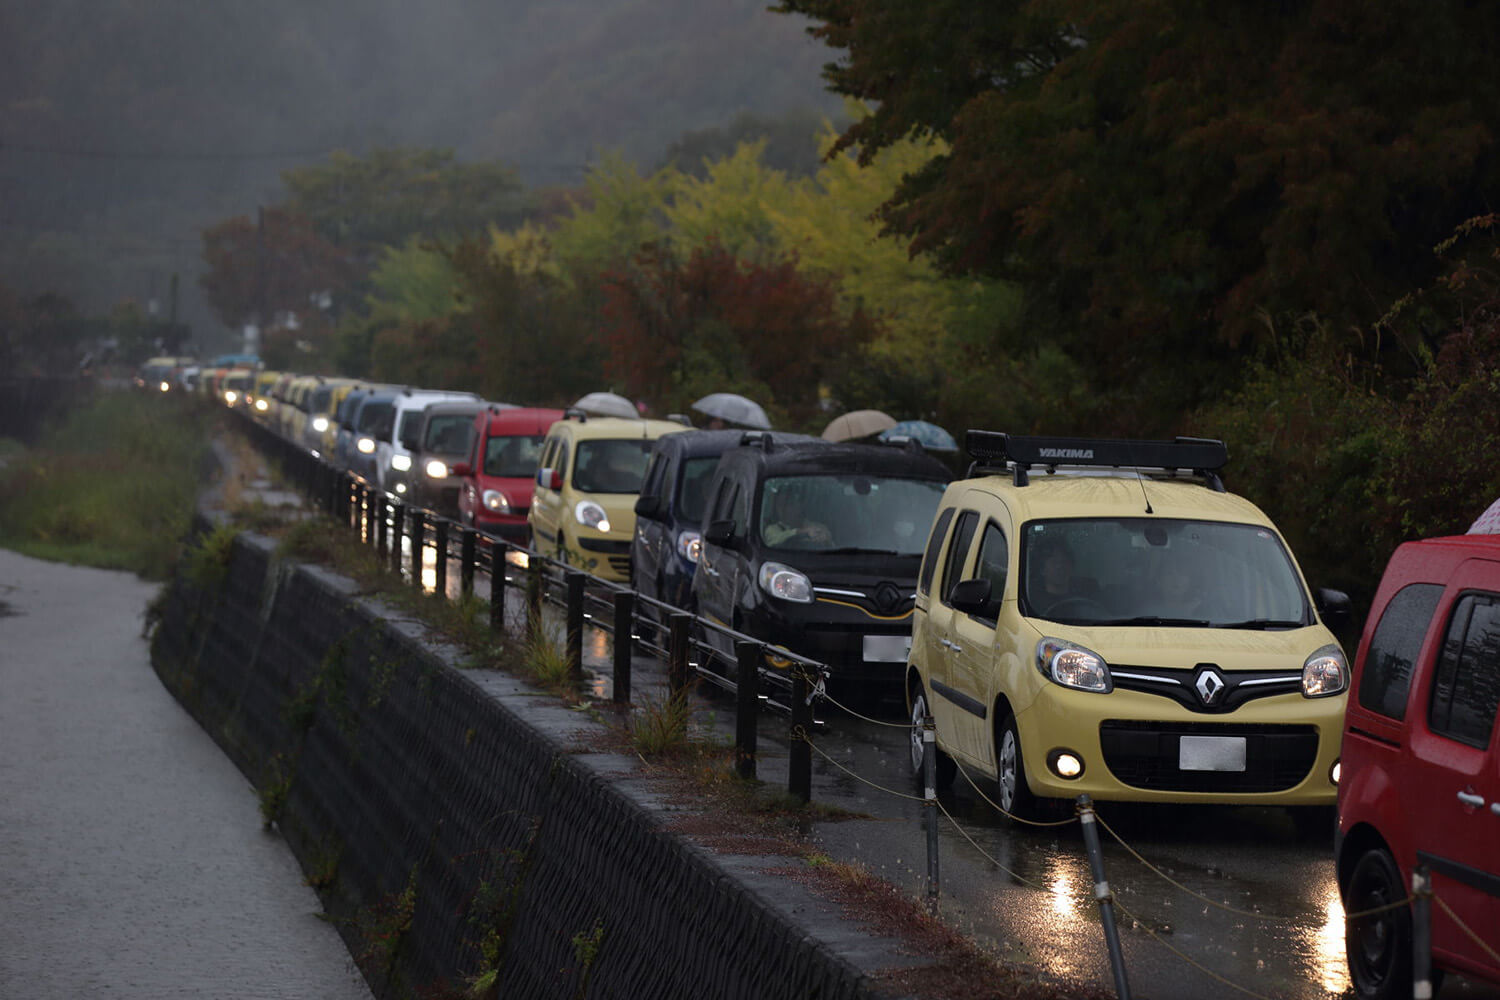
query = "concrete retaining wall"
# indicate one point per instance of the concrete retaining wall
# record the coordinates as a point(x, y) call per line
point(457, 821)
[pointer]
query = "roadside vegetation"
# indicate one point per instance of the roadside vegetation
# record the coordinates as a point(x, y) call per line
point(112, 486)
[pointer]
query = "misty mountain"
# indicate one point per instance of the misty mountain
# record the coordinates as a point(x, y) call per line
point(127, 126)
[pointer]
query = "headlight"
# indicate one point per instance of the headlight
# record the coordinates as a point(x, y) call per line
point(400, 487)
point(166, 386)
point(366, 446)
point(401, 462)
point(230, 396)
point(320, 424)
point(496, 501)
point(1073, 666)
point(263, 406)
point(591, 515)
point(690, 545)
point(786, 583)
point(1325, 673)
point(437, 469)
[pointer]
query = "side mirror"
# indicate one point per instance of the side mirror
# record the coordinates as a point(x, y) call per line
point(720, 533)
point(461, 469)
point(648, 507)
point(972, 597)
point(1333, 607)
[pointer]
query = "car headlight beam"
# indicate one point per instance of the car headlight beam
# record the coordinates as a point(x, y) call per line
point(690, 545)
point(401, 463)
point(591, 515)
point(437, 469)
point(787, 583)
point(1073, 666)
point(1325, 673)
point(495, 502)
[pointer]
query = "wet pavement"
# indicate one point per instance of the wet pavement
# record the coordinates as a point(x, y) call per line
point(133, 862)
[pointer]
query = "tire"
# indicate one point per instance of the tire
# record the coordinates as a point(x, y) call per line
point(946, 768)
point(1378, 946)
point(1013, 793)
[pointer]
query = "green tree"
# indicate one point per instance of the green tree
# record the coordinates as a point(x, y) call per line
point(1157, 175)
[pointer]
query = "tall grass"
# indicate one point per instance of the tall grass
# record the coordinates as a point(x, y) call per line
point(112, 486)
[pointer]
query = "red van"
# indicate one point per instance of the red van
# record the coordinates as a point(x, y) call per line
point(494, 494)
point(1421, 766)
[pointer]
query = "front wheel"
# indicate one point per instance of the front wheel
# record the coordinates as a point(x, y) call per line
point(1378, 945)
point(946, 768)
point(1015, 794)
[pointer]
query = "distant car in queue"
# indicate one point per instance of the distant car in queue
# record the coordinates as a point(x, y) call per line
point(440, 436)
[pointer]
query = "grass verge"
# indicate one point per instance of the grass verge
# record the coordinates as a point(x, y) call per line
point(113, 486)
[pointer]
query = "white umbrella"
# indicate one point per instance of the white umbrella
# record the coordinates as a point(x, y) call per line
point(858, 424)
point(1487, 523)
point(607, 404)
point(734, 409)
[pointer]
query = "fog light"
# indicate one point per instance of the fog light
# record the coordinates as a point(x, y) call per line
point(1335, 772)
point(400, 487)
point(1065, 764)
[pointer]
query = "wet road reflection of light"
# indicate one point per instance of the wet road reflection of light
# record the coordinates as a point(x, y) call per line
point(429, 569)
point(1328, 959)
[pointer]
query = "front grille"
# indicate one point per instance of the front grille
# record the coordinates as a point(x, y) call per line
point(604, 545)
point(621, 565)
point(1145, 755)
point(1234, 687)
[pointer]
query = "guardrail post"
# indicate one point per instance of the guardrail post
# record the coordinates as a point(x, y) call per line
point(749, 656)
point(799, 748)
point(440, 549)
point(929, 780)
point(1421, 933)
point(330, 495)
point(398, 529)
point(498, 550)
point(624, 644)
point(382, 538)
point(418, 536)
point(376, 533)
point(677, 652)
point(534, 594)
point(574, 617)
point(1102, 893)
point(467, 553)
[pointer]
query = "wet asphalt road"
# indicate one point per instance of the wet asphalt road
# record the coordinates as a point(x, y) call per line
point(133, 863)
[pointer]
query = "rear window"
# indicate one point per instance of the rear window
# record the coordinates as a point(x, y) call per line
point(1466, 683)
point(1392, 653)
point(692, 492)
point(512, 457)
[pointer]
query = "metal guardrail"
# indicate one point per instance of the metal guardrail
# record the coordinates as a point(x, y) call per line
point(674, 636)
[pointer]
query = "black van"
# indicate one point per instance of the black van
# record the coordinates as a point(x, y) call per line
point(669, 513)
point(815, 546)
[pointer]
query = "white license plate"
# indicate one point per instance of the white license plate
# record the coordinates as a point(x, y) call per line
point(1211, 753)
point(887, 648)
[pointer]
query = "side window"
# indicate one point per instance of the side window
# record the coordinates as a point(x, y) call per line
point(934, 544)
point(1392, 653)
point(724, 500)
point(549, 452)
point(740, 508)
point(560, 460)
point(651, 481)
point(994, 559)
point(958, 552)
point(1464, 689)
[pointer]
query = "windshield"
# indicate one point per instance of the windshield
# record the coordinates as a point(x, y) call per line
point(1157, 571)
point(375, 418)
point(848, 513)
point(692, 492)
point(512, 457)
point(448, 434)
point(614, 465)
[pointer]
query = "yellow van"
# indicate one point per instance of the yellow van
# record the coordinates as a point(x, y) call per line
point(1101, 616)
point(588, 477)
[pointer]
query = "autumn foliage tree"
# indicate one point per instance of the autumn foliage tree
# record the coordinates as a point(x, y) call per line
point(678, 329)
point(274, 266)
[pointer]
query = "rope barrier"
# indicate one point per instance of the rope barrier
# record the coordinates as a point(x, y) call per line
point(1082, 899)
point(1469, 931)
point(849, 711)
point(1189, 959)
point(1012, 816)
point(801, 734)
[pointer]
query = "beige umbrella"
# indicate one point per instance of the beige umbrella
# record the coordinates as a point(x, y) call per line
point(858, 424)
point(607, 404)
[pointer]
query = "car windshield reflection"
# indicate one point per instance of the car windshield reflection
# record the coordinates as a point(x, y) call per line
point(1160, 572)
point(848, 513)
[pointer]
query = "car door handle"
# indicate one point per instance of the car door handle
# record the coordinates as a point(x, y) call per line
point(1470, 799)
point(951, 645)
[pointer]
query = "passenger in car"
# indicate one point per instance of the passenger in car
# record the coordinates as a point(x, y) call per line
point(789, 523)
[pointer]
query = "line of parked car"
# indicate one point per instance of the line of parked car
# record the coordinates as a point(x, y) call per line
point(1076, 615)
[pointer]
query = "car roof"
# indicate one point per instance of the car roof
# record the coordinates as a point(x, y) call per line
point(701, 444)
point(524, 419)
point(792, 455)
point(615, 427)
point(1074, 495)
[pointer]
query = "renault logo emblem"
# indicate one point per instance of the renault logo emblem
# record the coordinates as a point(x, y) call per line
point(1210, 685)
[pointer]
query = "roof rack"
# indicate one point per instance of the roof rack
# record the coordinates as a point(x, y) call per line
point(680, 418)
point(574, 413)
point(995, 451)
point(758, 439)
point(903, 441)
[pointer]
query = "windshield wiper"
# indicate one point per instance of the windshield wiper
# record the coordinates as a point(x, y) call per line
point(1262, 624)
point(1157, 620)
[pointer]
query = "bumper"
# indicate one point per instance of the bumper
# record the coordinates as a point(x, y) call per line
point(839, 640)
point(1275, 751)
